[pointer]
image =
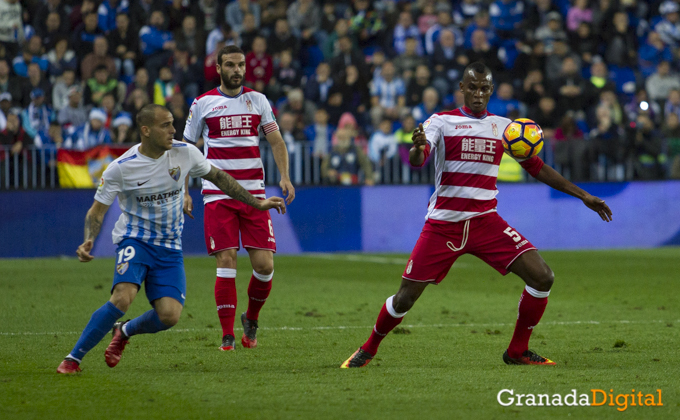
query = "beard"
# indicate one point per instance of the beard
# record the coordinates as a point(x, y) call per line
point(230, 83)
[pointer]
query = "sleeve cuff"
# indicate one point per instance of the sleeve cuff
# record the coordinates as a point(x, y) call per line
point(533, 165)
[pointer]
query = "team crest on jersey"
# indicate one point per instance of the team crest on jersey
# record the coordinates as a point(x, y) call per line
point(122, 268)
point(175, 173)
point(409, 267)
point(249, 105)
point(494, 128)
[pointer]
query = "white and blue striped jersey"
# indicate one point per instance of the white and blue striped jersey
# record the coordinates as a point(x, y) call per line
point(151, 193)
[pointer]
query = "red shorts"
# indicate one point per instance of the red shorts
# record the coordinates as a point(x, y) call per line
point(223, 219)
point(489, 238)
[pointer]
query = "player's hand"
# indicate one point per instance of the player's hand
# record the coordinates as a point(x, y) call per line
point(419, 139)
point(188, 205)
point(83, 251)
point(598, 205)
point(288, 190)
point(273, 203)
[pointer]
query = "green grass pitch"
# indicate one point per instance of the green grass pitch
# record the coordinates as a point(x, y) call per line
point(613, 322)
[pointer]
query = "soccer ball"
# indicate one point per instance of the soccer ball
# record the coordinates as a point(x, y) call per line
point(523, 138)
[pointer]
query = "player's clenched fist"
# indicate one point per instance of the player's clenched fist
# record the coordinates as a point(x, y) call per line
point(419, 139)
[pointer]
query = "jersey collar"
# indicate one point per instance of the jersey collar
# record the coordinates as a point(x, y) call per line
point(227, 96)
point(468, 113)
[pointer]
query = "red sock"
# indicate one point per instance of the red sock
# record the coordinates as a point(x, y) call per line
point(258, 291)
point(531, 310)
point(225, 298)
point(383, 326)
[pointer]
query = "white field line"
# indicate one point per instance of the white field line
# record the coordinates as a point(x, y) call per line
point(352, 327)
point(367, 259)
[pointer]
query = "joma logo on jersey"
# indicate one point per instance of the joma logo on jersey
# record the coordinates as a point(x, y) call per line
point(217, 108)
point(462, 127)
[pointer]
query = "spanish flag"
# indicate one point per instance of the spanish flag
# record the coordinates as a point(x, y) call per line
point(84, 169)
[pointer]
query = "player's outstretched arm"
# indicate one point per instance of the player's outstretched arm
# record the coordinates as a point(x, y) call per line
point(416, 155)
point(551, 177)
point(93, 224)
point(280, 153)
point(229, 186)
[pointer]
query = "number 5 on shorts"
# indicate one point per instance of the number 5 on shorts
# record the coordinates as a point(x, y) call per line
point(126, 254)
point(513, 234)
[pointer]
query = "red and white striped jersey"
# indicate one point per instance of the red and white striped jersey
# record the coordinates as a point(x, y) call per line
point(468, 152)
point(229, 126)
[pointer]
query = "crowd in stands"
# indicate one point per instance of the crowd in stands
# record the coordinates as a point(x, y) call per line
point(351, 80)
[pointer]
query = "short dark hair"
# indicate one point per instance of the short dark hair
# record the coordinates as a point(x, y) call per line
point(477, 67)
point(147, 115)
point(228, 49)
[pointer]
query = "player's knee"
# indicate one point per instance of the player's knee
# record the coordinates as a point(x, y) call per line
point(264, 268)
point(403, 302)
point(169, 318)
point(225, 260)
point(545, 281)
point(121, 301)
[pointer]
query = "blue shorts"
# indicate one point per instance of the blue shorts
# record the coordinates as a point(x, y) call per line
point(162, 268)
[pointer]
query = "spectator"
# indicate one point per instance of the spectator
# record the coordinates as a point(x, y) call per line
point(36, 80)
point(290, 132)
point(187, 73)
point(448, 62)
point(554, 61)
point(37, 116)
point(248, 33)
point(141, 82)
point(571, 151)
point(79, 11)
point(584, 43)
point(223, 34)
point(211, 77)
point(190, 38)
point(330, 46)
point(444, 22)
point(74, 113)
point(91, 134)
point(598, 81)
point(387, 95)
point(346, 56)
point(641, 104)
point(483, 22)
point(668, 28)
point(653, 52)
point(546, 115)
point(465, 11)
point(482, 50)
point(609, 144)
point(142, 10)
point(672, 106)
point(287, 75)
point(570, 88)
point(137, 99)
point(649, 157)
point(124, 47)
point(10, 84)
point(671, 134)
point(416, 86)
point(282, 38)
point(319, 84)
point(259, 65)
point(404, 29)
point(110, 108)
point(367, 24)
point(85, 34)
point(51, 32)
point(404, 137)
point(349, 122)
point(407, 62)
point(537, 14)
point(533, 88)
point(98, 57)
point(5, 105)
point(504, 102)
point(180, 111)
point(32, 53)
point(660, 83)
point(107, 12)
point(303, 110)
point(304, 17)
point(61, 88)
point(121, 129)
point(354, 89)
point(320, 133)
point(579, 12)
point(11, 26)
point(383, 145)
point(552, 31)
point(427, 18)
point(61, 59)
point(428, 106)
point(14, 137)
point(621, 42)
point(236, 11)
point(507, 17)
point(99, 85)
point(157, 44)
point(271, 13)
point(164, 87)
point(344, 164)
point(177, 11)
point(611, 101)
